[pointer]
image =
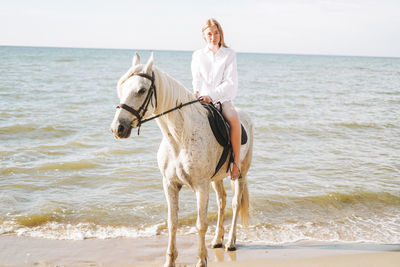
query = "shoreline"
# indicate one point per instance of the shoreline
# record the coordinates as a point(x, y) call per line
point(150, 251)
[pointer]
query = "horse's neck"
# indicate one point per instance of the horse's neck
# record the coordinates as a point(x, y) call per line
point(176, 125)
point(170, 92)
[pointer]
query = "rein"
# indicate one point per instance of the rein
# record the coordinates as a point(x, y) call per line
point(147, 100)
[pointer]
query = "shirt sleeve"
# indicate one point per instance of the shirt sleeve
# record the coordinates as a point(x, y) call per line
point(227, 89)
point(196, 82)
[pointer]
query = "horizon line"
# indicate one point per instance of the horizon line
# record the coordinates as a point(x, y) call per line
point(180, 50)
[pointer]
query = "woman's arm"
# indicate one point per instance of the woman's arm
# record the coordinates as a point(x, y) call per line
point(196, 82)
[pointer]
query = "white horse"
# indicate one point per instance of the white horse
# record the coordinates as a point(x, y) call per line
point(188, 152)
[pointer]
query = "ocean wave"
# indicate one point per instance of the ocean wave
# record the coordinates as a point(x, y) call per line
point(62, 145)
point(80, 231)
point(364, 125)
point(319, 128)
point(18, 128)
point(351, 198)
point(14, 170)
point(348, 229)
point(37, 219)
point(57, 166)
point(333, 199)
point(65, 59)
point(119, 151)
point(36, 130)
point(65, 166)
point(334, 217)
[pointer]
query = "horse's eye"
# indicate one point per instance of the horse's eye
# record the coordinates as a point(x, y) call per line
point(141, 91)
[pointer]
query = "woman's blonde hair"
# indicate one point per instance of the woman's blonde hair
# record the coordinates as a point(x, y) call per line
point(214, 22)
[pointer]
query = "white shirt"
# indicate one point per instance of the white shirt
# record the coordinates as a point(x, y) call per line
point(215, 75)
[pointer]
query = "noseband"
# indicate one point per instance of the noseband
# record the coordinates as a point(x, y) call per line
point(139, 114)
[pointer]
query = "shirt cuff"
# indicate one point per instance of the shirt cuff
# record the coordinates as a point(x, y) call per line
point(213, 95)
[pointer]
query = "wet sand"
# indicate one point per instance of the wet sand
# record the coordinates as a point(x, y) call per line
point(27, 251)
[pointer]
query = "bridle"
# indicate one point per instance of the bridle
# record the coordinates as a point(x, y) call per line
point(140, 113)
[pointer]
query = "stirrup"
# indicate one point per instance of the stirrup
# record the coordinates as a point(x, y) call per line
point(238, 176)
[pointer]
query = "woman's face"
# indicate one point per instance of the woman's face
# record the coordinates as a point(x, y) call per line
point(212, 36)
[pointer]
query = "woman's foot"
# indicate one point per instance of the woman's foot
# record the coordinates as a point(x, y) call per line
point(235, 172)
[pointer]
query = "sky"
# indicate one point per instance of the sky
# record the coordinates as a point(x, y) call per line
point(323, 27)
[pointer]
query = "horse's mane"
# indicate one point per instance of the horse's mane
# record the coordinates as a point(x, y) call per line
point(170, 94)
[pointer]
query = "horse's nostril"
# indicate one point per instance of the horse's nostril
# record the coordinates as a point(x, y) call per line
point(120, 129)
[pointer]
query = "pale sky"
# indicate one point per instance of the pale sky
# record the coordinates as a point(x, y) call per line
point(327, 27)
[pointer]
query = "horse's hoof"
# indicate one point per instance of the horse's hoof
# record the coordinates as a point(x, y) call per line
point(202, 263)
point(169, 263)
point(218, 245)
point(230, 248)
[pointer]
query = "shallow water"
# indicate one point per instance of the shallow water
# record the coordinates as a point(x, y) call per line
point(326, 164)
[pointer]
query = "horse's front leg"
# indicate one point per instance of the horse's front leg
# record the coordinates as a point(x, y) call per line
point(221, 200)
point(172, 194)
point(237, 187)
point(202, 224)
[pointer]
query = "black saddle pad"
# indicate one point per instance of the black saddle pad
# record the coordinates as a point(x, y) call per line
point(222, 131)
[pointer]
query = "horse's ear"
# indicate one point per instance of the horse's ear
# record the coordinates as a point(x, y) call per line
point(149, 65)
point(136, 59)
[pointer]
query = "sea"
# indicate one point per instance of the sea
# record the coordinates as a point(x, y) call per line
point(326, 161)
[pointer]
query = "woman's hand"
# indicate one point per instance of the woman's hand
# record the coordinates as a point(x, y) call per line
point(205, 99)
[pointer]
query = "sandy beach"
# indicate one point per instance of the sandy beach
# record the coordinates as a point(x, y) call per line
point(27, 251)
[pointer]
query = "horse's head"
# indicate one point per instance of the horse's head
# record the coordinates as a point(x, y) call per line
point(136, 92)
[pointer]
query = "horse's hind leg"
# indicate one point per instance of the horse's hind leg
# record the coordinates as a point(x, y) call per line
point(237, 187)
point(172, 194)
point(221, 200)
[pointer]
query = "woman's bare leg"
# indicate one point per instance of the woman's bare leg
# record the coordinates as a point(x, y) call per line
point(232, 116)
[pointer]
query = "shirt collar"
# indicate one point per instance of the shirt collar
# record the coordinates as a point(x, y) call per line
point(221, 50)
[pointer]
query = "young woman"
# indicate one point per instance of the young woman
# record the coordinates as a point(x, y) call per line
point(214, 71)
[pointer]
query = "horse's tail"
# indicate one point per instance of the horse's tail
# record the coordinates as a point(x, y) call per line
point(245, 205)
point(245, 201)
